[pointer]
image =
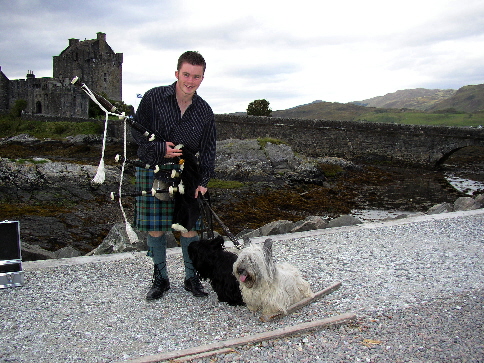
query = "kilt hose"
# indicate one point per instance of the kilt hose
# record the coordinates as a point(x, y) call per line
point(152, 214)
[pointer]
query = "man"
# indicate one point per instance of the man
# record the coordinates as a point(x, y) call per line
point(178, 114)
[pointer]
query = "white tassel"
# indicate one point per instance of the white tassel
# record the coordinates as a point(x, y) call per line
point(133, 237)
point(100, 174)
point(179, 227)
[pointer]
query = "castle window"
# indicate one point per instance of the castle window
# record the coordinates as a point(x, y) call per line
point(105, 77)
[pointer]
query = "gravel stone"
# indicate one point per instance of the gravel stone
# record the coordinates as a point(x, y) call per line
point(415, 284)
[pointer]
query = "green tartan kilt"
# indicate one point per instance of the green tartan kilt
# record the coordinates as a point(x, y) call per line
point(152, 214)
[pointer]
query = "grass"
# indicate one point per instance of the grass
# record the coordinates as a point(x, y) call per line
point(263, 141)
point(330, 170)
point(17, 210)
point(422, 118)
point(11, 126)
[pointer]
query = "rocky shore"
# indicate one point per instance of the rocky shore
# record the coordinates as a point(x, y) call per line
point(261, 188)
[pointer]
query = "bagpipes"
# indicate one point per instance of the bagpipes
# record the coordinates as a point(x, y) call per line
point(179, 183)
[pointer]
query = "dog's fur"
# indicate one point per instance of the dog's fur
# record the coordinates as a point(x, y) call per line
point(265, 285)
point(215, 264)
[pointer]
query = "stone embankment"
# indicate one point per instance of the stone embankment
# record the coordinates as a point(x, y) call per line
point(117, 240)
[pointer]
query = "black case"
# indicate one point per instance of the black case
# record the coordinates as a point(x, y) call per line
point(11, 274)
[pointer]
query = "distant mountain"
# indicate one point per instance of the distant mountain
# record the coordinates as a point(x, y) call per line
point(416, 99)
point(320, 110)
point(465, 99)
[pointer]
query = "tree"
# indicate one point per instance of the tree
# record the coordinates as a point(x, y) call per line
point(259, 108)
point(96, 112)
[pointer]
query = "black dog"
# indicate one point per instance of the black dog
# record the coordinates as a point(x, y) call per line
point(215, 264)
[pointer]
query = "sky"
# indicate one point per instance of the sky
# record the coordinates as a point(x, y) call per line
point(289, 53)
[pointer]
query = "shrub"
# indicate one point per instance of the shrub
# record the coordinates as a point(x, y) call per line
point(264, 140)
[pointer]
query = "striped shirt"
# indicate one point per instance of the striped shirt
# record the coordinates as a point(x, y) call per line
point(158, 111)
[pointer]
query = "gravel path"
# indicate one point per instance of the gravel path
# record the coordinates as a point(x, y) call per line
point(416, 286)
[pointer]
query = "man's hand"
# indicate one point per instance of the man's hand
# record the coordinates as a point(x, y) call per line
point(200, 189)
point(171, 152)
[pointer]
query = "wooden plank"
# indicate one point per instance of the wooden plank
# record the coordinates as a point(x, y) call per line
point(278, 333)
point(318, 295)
point(187, 358)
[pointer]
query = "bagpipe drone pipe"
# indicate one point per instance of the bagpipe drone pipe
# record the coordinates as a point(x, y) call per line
point(187, 208)
point(180, 184)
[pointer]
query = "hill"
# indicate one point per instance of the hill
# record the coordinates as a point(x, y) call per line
point(416, 99)
point(464, 107)
point(466, 99)
point(320, 110)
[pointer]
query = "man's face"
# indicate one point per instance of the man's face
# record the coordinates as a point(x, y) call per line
point(189, 78)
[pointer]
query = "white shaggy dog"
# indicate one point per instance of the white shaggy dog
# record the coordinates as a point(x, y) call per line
point(267, 286)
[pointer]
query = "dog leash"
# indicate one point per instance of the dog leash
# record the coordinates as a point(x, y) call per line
point(205, 204)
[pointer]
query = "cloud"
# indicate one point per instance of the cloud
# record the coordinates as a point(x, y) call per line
point(288, 53)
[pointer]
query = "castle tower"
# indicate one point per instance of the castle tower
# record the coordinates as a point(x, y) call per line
point(4, 91)
point(95, 63)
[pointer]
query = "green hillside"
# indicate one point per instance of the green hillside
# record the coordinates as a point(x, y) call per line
point(320, 110)
point(464, 107)
point(424, 118)
point(466, 99)
point(416, 99)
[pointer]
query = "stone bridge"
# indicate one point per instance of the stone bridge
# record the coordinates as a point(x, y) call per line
point(427, 146)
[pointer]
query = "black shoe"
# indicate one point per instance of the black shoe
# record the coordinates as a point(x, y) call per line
point(160, 286)
point(194, 285)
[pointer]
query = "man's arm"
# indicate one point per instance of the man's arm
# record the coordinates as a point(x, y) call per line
point(150, 152)
point(208, 149)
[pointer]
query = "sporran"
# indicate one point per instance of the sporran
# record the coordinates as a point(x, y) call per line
point(161, 189)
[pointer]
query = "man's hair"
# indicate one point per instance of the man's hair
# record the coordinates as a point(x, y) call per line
point(192, 57)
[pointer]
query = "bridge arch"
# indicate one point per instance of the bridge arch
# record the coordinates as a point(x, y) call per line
point(449, 154)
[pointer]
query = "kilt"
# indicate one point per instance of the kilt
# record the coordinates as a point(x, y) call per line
point(152, 214)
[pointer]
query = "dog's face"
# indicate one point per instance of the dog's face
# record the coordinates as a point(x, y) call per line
point(254, 264)
point(244, 271)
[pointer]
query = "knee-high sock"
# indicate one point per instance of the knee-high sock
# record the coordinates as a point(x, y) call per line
point(157, 251)
point(189, 269)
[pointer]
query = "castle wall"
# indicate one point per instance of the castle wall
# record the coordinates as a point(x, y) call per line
point(47, 96)
point(92, 60)
point(95, 63)
point(4, 91)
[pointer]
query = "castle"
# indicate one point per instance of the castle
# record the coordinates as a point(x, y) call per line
point(93, 61)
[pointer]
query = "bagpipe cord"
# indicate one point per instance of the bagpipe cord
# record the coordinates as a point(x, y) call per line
point(101, 173)
point(133, 237)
